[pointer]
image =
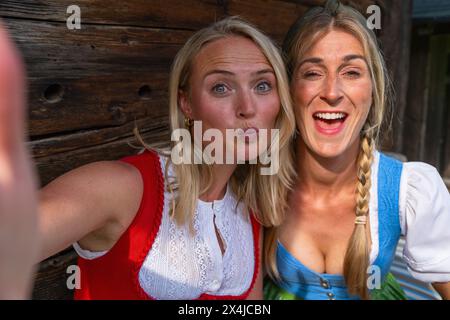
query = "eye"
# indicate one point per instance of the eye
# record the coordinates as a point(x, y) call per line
point(311, 75)
point(263, 87)
point(352, 74)
point(220, 89)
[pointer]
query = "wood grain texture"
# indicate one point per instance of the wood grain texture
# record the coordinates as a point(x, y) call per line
point(273, 17)
point(51, 277)
point(395, 38)
point(54, 165)
point(100, 71)
point(417, 99)
point(174, 14)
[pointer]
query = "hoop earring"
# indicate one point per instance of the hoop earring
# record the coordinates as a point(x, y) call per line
point(188, 123)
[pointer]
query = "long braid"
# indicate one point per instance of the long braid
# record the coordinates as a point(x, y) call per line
point(356, 259)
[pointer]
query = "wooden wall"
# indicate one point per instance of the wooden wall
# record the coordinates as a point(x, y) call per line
point(427, 121)
point(88, 87)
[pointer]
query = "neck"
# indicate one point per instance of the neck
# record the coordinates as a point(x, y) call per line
point(221, 174)
point(324, 176)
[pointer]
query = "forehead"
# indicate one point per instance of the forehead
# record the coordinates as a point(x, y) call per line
point(335, 45)
point(234, 52)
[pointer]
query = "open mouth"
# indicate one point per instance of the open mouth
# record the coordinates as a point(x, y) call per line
point(329, 122)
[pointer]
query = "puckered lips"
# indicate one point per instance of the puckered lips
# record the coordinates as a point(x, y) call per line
point(329, 122)
point(248, 134)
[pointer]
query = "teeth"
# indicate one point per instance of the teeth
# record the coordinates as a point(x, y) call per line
point(330, 116)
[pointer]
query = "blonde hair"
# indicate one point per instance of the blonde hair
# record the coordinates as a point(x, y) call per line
point(311, 27)
point(264, 195)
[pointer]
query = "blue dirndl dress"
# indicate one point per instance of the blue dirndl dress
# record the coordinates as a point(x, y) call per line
point(302, 283)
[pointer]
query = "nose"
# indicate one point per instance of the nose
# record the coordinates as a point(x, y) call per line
point(245, 105)
point(332, 93)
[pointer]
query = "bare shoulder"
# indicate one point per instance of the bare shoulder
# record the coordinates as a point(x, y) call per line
point(122, 186)
point(101, 193)
point(128, 187)
point(114, 174)
point(104, 195)
point(106, 178)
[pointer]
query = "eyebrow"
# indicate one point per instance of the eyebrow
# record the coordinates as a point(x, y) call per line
point(317, 60)
point(354, 56)
point(229, 73)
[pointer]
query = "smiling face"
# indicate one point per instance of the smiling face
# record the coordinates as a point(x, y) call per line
point(232, 86)
point(332, 91)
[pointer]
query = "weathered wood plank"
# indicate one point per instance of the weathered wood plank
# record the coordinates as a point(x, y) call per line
point(360, 5)
point(417, 99)
point(52, 166)
point(395, 40)
point(273, 17)
point(436, 111)
point(83, 108)
point(187, 14)
point(100, 72)
point(90, 138)
point(51, 278)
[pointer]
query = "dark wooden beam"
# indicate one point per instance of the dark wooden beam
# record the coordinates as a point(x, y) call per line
point(417, 98)
point(395, 39)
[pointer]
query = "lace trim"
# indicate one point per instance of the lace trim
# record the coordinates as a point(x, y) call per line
point(172, 256)
point(202, 254)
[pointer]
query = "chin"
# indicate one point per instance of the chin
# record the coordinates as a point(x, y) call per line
point(249, 153)
point(327, 149)
point(329, 146)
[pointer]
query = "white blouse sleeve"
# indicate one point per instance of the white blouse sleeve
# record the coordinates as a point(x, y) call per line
point(86, 254)
point(425, 222)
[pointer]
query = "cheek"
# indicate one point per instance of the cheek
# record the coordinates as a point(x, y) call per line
point(300, 97)
point(303, 94)
point(269, 107)
point(276, 107)
point(304, 91)
point(362, 97)
point(212, 112)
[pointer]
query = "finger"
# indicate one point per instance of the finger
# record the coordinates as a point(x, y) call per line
point(12, 94)
point(12, 105)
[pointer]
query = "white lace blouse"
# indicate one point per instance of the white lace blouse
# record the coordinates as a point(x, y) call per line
point(181, 265)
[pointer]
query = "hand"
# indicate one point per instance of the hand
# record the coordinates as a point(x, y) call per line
point(443, 289)
point(19, 243)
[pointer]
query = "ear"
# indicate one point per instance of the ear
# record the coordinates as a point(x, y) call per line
point(184, 103)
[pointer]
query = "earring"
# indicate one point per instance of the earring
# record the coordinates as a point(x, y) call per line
point(188, 122)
